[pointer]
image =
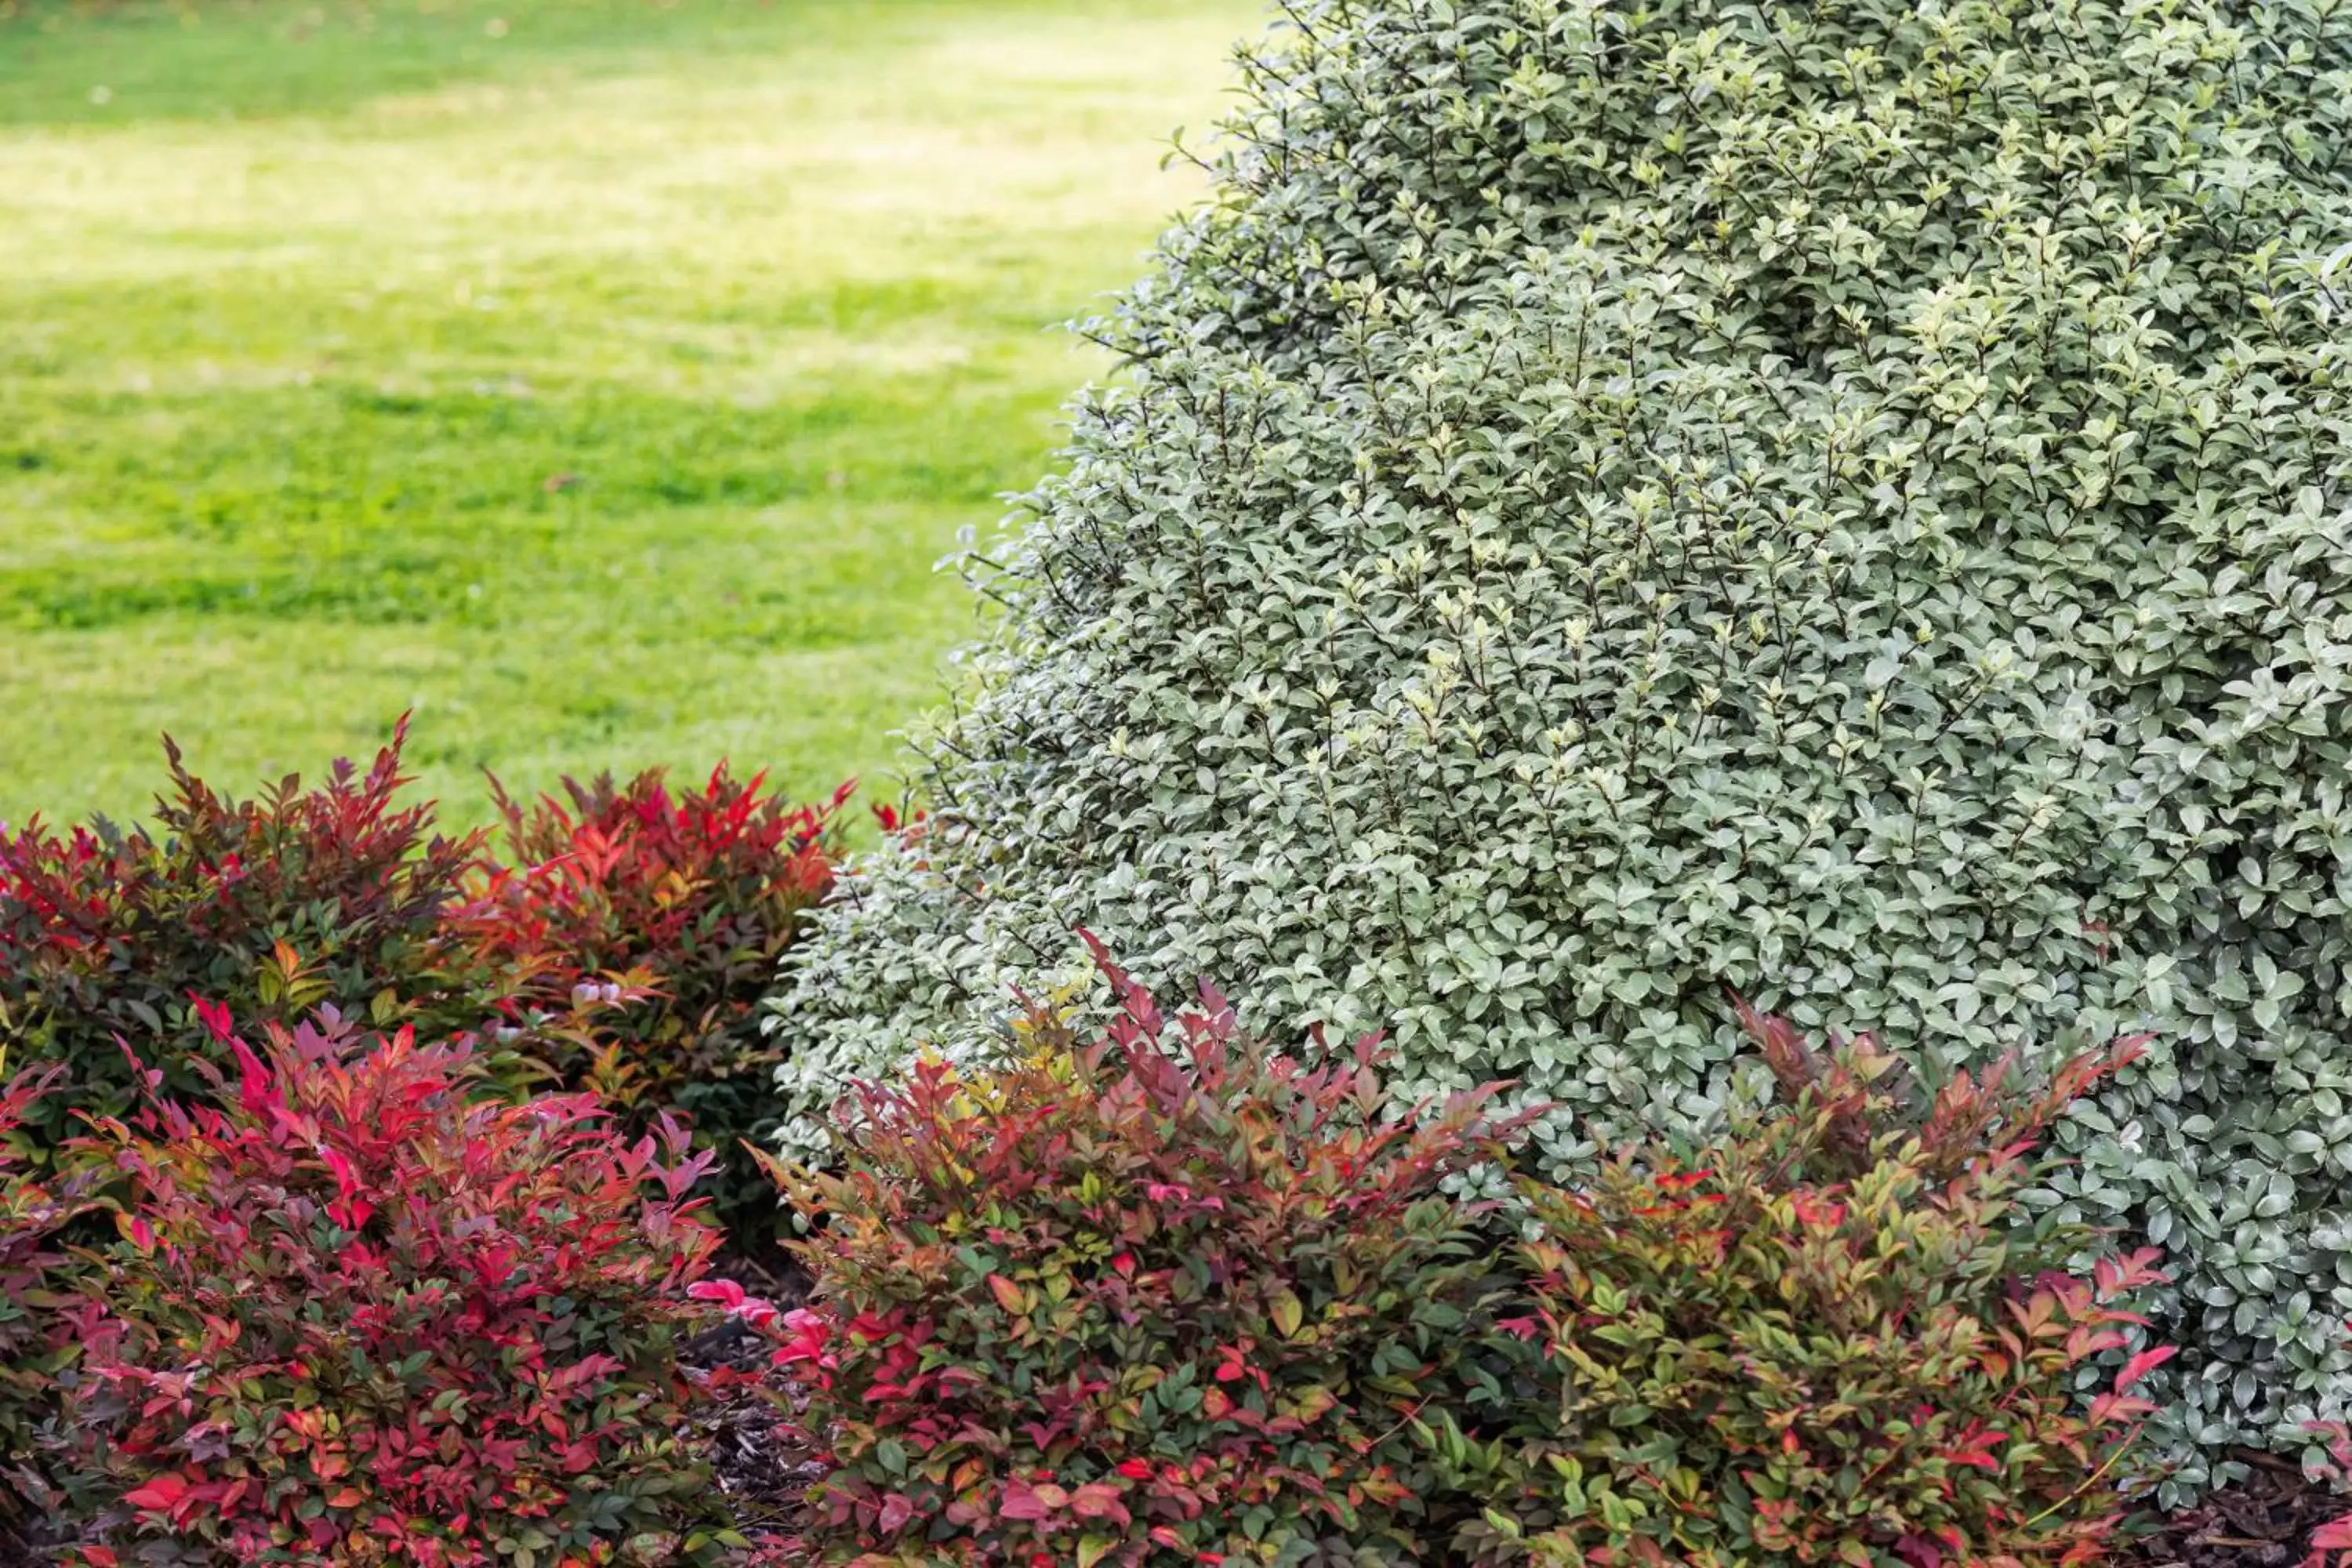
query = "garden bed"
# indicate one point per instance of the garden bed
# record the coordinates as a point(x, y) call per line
point(2265, 1521)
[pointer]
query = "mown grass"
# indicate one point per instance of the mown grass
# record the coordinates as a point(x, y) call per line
point(599, 379)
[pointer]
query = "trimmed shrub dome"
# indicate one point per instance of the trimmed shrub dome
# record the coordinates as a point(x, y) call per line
point(1849, 502)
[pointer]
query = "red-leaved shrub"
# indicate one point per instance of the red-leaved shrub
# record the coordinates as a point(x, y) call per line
point(676, 904)
point(624, 952)
point(1824, 1339)
point(32, 1347)
point(1162, 1296)
point(357, 1316)
point(268, 908)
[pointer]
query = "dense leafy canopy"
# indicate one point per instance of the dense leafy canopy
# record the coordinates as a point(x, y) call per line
point(1847, 499)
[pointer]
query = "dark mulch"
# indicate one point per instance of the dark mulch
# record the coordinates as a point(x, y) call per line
point(2264, 1521)
point(760, 1466)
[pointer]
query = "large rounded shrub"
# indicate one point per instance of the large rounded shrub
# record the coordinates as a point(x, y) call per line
point(1849, 500)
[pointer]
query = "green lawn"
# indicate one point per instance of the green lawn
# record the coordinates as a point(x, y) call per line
point(599, 379)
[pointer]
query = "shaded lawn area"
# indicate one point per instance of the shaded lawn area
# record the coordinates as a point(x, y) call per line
point(599, 379)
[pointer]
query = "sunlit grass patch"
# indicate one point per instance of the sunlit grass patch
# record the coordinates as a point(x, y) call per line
point(603, 384)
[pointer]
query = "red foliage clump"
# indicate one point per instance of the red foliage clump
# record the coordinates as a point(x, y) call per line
point(671, 907)
point(33, 1344)
point(1161, 1297)
point(357, 1315)
point(1824, 1337)
point(702, 886)
point(270, 907)
point(624, 951)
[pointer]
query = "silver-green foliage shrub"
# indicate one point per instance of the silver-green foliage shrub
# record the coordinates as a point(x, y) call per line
point(1848, 500)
